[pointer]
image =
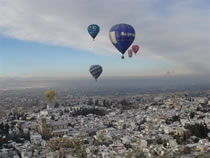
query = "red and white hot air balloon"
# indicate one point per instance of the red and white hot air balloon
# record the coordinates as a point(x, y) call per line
point(135, 48)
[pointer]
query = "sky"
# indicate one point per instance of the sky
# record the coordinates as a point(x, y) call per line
point(49, 38)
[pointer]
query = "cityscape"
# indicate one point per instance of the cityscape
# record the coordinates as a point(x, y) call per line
point(87, 123)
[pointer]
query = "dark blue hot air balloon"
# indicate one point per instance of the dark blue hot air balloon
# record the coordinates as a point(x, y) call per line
point(122, 36)
point(96, 71)
point(93, 30)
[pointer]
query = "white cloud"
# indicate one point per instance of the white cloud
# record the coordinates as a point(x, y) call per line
point(176, 32)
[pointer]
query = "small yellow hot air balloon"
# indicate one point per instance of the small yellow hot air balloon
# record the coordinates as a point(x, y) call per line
point(49, 94)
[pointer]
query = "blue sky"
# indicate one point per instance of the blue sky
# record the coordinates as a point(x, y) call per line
point(26, 58)
point(42, 40)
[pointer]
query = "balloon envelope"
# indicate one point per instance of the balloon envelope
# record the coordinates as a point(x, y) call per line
point(135, 48)
point(93, 30)
point(96, 71)
point(122, 36)
point(49, 94)
point(130, 54)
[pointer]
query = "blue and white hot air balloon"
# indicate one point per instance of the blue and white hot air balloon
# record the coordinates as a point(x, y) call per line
point(93, 30)
point(96, 71)
point(122, 36)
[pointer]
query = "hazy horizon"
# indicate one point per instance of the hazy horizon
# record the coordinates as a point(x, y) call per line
point(131, 83)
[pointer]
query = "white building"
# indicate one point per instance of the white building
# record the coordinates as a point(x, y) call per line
point(36, 138)
point(201, 100)
point(7, 153)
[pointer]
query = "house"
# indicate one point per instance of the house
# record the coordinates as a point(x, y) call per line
point(8, 153)
point(35, 138)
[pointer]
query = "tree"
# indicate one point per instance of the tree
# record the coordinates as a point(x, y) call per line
point(52, 117)
point(104, 102)
point(56, 105)
point(1, 126)
point(66, 111)
point(6, 128)
point(96, 102)
point(90, 101)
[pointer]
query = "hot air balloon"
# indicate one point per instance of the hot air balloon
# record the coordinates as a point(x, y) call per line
point(96, 71)
point(135, 48)
point(130, 54)
point(93, 30)
point(122, 36)
point(49, 94)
